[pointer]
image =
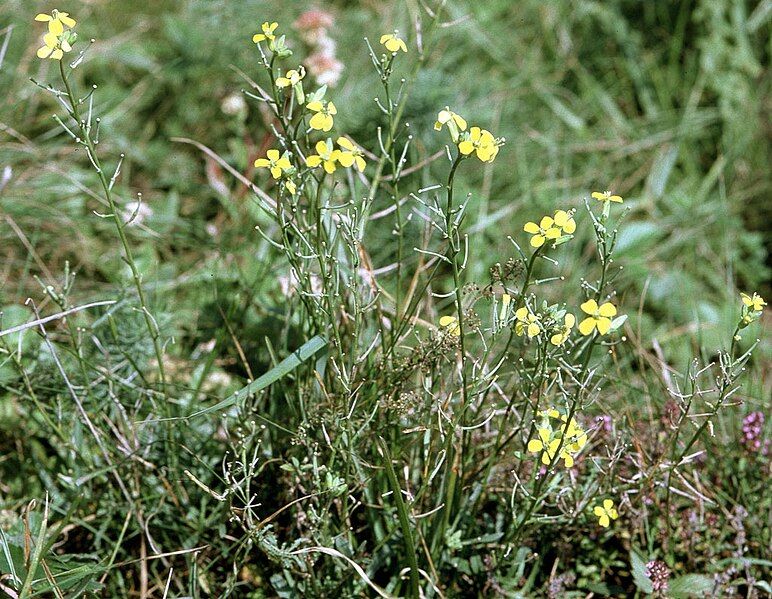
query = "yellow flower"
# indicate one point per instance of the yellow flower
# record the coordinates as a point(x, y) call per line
point(605, 513)
point(544, 444)
point(450, 323)
point(267, 34)
point(326, 156)
point(599, 317)
point(56, 21)
point(393, 42)
point(565, 221)
point(606, 196)
point(576, 439)
point(54, 46)
point(548, 441)
point(480, 141)
point(276, 162)
point(455, 123)
point(545, 230)
point(559, 338)
point(755, 302)
point(292, 77)
point(322, 120)
point(527, 322)
point(350, 154)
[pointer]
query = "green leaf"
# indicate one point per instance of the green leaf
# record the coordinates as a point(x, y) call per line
point(690, 585)
point(638, 567)
point(287, 365)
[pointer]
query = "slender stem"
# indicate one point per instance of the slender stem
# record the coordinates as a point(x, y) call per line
point(404, 521)
point(119, 226)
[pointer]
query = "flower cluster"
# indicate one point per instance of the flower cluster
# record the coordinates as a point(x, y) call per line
point(60, 35)
point(554, 227)
point(285, 166)
point(569, 437)
point(327, 156)
point(753, 306)
point(527, 322)
point(658, 573)
point(477, 141)
point(752, 431)
point(275, 44)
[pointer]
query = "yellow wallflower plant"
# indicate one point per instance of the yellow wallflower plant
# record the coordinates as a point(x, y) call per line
point(324, 111)
point(276, 162)
point(325, 156)
point(546, 229)
point(350, 154)
point(393, 43)
point(599, 317)
point(605, 513)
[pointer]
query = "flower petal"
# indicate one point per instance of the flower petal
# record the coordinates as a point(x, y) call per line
point(590, 306)
point(608, 309)
point(586, 326)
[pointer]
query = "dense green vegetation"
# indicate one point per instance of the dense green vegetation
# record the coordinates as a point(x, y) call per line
point(203, 422)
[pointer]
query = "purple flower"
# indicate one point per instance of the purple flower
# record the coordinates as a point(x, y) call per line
point(753, 427)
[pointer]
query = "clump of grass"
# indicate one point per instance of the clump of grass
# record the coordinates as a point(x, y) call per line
point(422, 414)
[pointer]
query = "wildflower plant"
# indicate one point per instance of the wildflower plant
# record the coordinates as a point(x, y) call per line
point(411, 416)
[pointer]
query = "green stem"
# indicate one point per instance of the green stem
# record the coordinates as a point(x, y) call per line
point(404, 521)
point(119, 226)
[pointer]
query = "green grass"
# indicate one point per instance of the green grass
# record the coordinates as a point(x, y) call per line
point(231, 439)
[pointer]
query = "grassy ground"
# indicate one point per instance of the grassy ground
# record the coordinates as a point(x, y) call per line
point(218, 426)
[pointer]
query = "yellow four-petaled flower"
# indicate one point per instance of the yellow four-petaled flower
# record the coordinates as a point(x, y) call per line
point(326, 156)
point(324, 111)
point(481, 142)
point(267, 32)
point(350, 154)
point(527, 322)
point(454, 122)
point(599, 317)
point(291, 77)
point(393, 43)
point(276, 162)
point(57, 21)
point(605, 513)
